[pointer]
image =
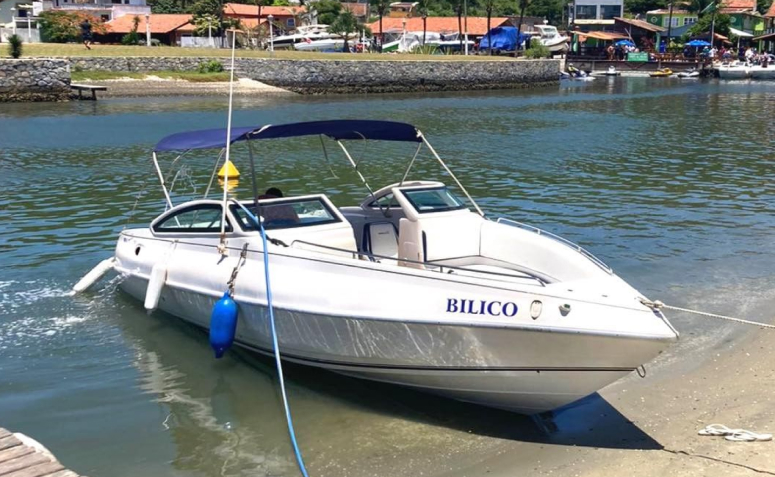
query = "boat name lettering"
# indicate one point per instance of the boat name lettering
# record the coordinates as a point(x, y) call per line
point(481, 307)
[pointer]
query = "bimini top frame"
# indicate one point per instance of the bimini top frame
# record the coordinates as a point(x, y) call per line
point(338, 130)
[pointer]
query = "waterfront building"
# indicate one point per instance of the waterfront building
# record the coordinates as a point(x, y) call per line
point(475, 26)
point(167, 28)
point(592, 15)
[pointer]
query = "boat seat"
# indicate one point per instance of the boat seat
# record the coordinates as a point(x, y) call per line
point(382, 239)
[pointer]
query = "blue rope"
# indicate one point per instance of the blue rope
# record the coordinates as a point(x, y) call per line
point(276, 348)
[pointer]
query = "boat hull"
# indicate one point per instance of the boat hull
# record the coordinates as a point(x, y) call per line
point(525, 371)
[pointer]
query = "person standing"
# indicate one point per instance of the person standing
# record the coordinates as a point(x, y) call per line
point(86, 33)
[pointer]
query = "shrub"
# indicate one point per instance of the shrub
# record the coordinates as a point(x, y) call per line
point(62, 26)
point(15, 46)
point(132, 38)
point(537, 50)
point(210, 66)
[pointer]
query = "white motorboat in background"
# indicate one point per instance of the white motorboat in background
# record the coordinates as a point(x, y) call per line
point(328, 44)
point(758, 72)
point(733, 71)
point(302, 34)
point(412, 286)
point(612, 71)
point(551, 38)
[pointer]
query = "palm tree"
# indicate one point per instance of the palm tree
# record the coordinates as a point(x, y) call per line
point(381, 7)
point(459, 6)
point(422, 9)
point(344, 24)
point(489, 5)
point(522, 6)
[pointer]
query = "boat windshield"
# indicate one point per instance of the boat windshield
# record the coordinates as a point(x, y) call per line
point(287, 213)
point(436, 199)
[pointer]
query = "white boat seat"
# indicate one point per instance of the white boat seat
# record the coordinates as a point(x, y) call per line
point(382, 239)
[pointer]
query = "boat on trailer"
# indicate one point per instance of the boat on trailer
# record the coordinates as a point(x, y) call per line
point(413, 286)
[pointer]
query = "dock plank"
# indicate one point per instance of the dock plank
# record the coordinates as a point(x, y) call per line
point(15, 452)
point(39, 470)
point(22, 456)
point(23, 462)
point(64, 473)
point(8, 442)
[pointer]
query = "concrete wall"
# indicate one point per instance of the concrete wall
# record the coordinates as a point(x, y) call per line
point(34, 80)
point(357, 76)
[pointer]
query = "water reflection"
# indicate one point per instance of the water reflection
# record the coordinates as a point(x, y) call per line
point(668, 182)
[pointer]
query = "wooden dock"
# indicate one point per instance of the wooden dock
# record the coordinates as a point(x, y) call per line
point(21, 456)
point(87, 87)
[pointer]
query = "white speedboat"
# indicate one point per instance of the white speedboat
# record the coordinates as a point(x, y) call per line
point(734, 71)
point(551, 38)
point(758, 72)
point(328, 44)
point(303, 34)
point(412, 286)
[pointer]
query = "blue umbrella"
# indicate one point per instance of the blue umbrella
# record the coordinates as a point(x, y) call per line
point(625, 43)
point(698, 43)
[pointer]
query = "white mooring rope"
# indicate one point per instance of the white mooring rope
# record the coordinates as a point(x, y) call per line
point(657, 305)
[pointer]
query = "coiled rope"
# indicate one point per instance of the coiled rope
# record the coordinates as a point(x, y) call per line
point(658, 305)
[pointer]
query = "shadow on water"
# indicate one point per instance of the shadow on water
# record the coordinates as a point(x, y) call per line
point(591, 422)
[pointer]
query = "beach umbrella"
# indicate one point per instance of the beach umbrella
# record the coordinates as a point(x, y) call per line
point(698, 43)
point(625, 43)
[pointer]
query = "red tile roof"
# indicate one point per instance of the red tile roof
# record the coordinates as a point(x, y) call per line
point(242, 10)
point(160, 23)
point(734, 6)
point(771, 12)
point(477, 26)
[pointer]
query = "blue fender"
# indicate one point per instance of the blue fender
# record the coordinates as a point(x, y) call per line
point(223, 324)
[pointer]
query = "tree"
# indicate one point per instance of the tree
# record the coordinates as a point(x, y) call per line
point(209, 13)
point(344, 25)
point(165, 6)
point(132, 38)
point(551, 10)
point(522, 6)
point(703, 25)
point(381, 7)
point(489, 5)
point(459, 7)
point(762, 6)
point(328, 11)
point(59, 26)
point(643, 6)
point(422, 9)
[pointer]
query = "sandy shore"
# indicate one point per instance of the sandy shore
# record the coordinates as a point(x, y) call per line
point(647, 427)
point(135, 88)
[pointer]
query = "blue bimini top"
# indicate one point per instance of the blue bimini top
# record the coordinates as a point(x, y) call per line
point(345, 129)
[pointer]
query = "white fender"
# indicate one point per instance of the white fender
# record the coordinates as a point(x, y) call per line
point(94, 275)
point(155, 284)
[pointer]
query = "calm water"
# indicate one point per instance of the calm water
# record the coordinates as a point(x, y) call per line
point(669, 182)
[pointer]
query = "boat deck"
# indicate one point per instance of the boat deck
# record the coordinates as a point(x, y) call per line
point(21, 456)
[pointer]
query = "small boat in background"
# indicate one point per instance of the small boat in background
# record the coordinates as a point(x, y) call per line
point(611, 71)
point(691, 73)
point(662, 72)
point(760, 72)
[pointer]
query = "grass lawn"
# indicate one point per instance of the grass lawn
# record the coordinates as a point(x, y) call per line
point(193, 77)
point(72, 50)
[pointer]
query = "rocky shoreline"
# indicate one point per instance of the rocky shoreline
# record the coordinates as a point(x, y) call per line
point(49, 79)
